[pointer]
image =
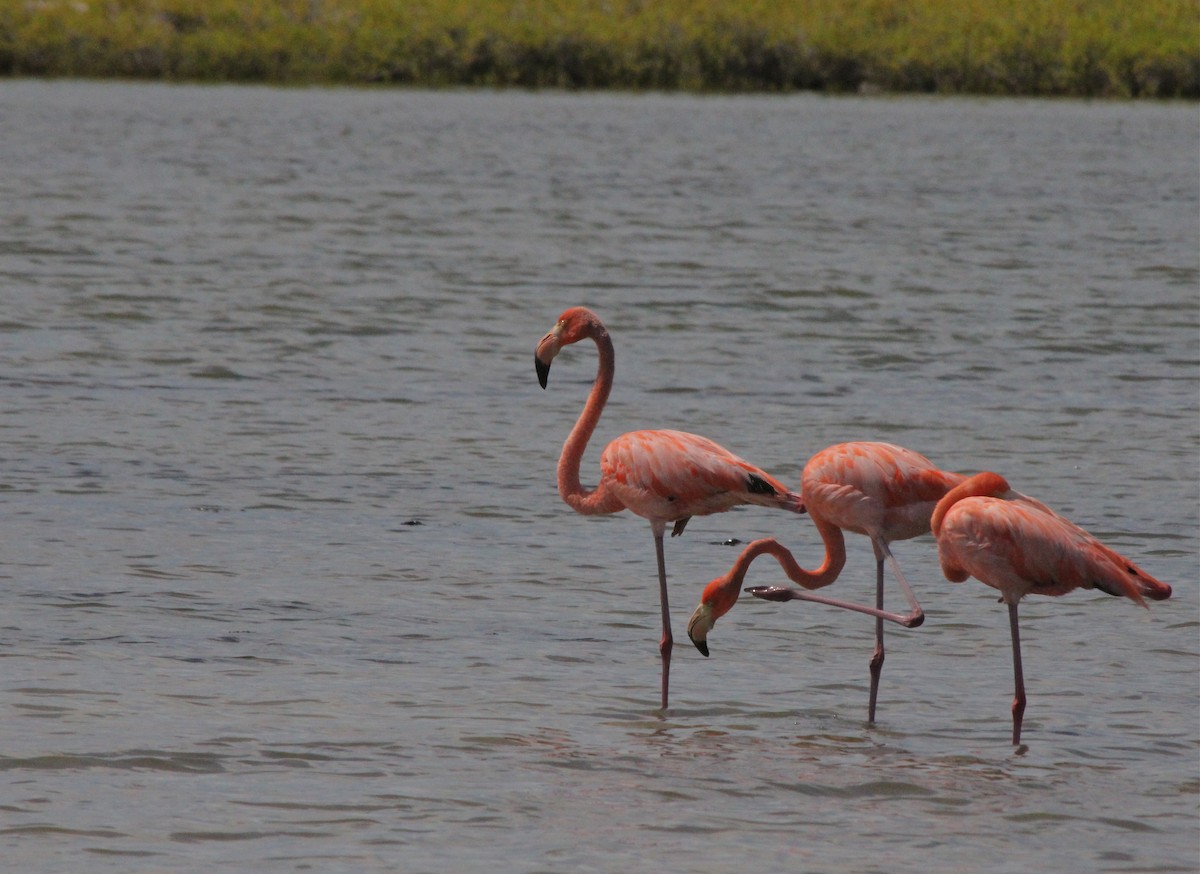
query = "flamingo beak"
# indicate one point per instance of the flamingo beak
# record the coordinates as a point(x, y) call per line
point(699, 625)
point(547, 348)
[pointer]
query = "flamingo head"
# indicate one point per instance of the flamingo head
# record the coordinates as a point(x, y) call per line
point(718, 597)
point(572, 326)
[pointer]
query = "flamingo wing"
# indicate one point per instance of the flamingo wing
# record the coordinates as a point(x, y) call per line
point(671, 475)
point(876, 489)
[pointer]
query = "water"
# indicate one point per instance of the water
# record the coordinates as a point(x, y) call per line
point(287, 583)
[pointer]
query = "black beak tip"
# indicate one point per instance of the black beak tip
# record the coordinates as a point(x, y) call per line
point(543, 370)
point(702, 646)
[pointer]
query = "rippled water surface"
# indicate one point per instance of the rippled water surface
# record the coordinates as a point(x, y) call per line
point(287, 583)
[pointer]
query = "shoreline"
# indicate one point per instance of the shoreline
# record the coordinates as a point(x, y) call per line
point(1027, 48)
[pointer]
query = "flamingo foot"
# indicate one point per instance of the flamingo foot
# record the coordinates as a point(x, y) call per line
point(773, 593)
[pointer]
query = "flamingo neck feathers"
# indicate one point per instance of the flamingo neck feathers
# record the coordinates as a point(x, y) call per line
point(830, 568)
point(985, 484)
point(583, 500)
point(835, 558)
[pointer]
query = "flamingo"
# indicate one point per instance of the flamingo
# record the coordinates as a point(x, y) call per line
point(884, 491)
point(1020, 546)
point(662, 476)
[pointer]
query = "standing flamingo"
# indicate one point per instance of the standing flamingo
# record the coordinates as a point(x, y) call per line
point(883, 491)
point(1019, 546)
point(663, 476)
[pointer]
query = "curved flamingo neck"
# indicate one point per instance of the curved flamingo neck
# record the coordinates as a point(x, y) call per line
point(830, 568)
point(986, 484)
point(835, 558)
point(583, 500)
point(722, 593)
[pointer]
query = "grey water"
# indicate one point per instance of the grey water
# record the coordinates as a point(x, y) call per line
point(287, 584)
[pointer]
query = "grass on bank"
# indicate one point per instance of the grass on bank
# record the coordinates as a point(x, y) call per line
point(1120, 48)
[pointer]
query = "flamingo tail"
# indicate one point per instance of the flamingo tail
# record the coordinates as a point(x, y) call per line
point(790, 501)
point(1130, 581)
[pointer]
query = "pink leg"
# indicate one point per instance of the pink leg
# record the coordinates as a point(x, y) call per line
point(781, 593)
point(876, 664)
point(912, 619)
point(1018, 705)
point(787, 593)
point(915, 611)
point(667, 642)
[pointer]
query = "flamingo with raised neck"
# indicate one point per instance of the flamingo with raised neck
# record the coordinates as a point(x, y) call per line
point(663, 476)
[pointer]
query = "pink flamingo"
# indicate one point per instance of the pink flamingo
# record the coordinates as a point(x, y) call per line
point(663, 476)
point(883, 491)
point(1019, 546)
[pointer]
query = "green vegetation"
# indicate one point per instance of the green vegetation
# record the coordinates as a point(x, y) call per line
point(1118, 48)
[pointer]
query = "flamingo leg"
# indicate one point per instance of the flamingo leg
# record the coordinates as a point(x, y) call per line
point(876, 664)
point(667, 642)
point(788, 593)
point(915, 608)
point(1018, 705)
point(913, 619)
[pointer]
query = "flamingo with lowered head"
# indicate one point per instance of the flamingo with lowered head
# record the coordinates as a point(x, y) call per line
point(884, 491)
point(1019, 546)
point(662, 476)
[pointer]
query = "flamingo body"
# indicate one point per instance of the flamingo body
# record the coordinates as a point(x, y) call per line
point(879, 490)
point(1023, 548)
point(1020, 547)
point(669, 476)
point(663, 476)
